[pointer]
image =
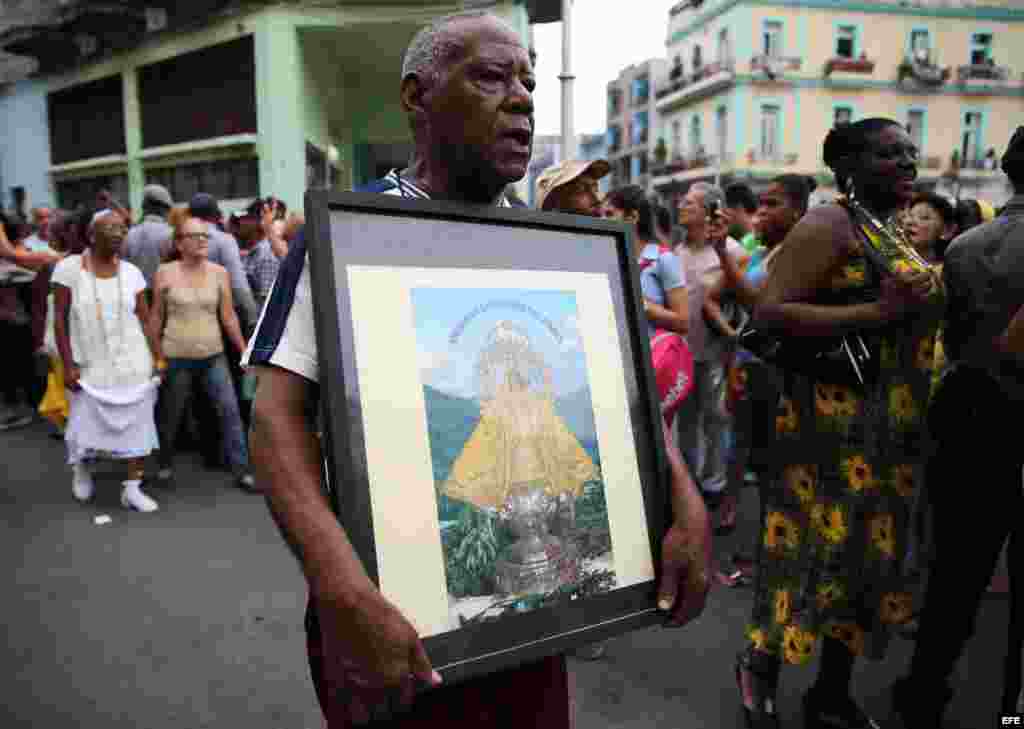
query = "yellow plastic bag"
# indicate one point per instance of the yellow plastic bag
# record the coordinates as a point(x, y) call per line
point(54, 405)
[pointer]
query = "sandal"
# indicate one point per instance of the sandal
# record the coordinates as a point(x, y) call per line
point(762, 714)
point(736, 578)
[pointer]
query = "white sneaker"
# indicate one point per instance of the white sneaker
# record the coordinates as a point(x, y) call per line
point(81, 484)
point(132, 497)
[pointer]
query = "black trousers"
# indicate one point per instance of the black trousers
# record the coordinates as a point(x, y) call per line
point(18, 371)
point(974, 481)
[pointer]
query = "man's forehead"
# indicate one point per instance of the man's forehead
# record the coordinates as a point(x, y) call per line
point(489, 37)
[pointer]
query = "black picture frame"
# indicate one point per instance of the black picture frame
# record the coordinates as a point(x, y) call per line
point(597, 246)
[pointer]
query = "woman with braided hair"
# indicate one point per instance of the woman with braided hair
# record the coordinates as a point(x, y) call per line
point(850, 434)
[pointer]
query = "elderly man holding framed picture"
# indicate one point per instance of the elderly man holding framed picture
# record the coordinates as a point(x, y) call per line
point(466, 89)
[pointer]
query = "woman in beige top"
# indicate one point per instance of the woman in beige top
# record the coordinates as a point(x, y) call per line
point(191, 302)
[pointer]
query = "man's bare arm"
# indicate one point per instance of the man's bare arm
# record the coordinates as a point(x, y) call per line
point(357, 623)
point(286, 461)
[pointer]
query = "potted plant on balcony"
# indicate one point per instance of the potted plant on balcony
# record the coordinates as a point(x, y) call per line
point(677, 70)
point(850, 65)
point(660, 152)
point(922, 69)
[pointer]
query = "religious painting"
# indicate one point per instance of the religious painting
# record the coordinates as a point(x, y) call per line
point(514, 449)
point(492, 435)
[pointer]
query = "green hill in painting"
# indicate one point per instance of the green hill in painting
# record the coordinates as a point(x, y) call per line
point(450, 421)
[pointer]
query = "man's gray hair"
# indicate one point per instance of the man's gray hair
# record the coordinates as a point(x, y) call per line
point(712, 193)
point(435, 44)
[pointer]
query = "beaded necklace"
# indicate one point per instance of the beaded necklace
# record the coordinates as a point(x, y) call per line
point(891, 243)
point(99, 306)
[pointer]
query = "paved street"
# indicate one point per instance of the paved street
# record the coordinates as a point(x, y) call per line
point(191, 618)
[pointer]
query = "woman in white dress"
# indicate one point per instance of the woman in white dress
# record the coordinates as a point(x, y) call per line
point(100, 317)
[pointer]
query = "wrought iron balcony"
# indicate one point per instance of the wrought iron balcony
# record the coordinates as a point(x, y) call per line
point(706, 80)
point(982, 72)
point(775, 159)
point(849, 65)
point(774, 66)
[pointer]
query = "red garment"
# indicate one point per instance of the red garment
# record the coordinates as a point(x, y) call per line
point(672, 362)
point(534, 695)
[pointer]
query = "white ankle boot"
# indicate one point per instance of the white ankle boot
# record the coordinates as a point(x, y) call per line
point(82, 485)
point(132, 497)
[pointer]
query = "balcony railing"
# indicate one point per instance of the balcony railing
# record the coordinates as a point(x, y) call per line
point(774, 66)
point(979, 163)
point(982, 72)
point(705, 80)
point(683, 164)
point(849, 65)
point(776, 159)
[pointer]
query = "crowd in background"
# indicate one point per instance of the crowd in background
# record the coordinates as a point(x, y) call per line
point(861, 459)
point(153, 315)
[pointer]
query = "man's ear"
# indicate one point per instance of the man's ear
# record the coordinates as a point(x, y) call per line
point(413, 94)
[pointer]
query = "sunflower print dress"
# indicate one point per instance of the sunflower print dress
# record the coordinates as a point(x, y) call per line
point(848, 463)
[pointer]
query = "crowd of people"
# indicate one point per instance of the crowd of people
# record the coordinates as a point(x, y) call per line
point(828, 353)
point(857, 457)
point(118, 331)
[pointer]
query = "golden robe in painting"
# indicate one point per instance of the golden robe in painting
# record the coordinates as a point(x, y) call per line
point(519, 443)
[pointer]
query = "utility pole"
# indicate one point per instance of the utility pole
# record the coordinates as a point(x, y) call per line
point(566, 77)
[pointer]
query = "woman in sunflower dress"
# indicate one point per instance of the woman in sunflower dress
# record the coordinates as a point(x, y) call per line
point(848, 456)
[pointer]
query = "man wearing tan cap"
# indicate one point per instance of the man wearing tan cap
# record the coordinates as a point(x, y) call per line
point(571, 187)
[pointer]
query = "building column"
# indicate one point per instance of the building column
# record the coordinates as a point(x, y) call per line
point(133, 139)
point(567, 79)
point(279, 104)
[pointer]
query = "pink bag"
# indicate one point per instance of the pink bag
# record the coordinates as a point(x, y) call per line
point(673, 371)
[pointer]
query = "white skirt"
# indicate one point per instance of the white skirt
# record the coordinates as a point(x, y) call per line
point(112, 423)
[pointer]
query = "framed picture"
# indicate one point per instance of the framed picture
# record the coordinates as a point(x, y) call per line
point(491, 421)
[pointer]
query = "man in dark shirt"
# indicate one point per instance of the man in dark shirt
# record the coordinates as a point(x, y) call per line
point(971, 419)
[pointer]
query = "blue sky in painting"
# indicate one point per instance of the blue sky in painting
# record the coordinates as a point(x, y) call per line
point(471, 314)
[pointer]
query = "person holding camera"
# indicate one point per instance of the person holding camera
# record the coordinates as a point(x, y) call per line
point(703, 423)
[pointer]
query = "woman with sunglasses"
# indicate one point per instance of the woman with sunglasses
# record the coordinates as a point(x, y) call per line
point(100, 315)
point(191, 303)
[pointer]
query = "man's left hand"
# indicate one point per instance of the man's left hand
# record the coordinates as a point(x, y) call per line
point(685, 569)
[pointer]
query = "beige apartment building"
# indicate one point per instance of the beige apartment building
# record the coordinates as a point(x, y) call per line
point(752, 87)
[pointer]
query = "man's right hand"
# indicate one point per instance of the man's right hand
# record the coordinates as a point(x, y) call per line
point(375, 646)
